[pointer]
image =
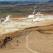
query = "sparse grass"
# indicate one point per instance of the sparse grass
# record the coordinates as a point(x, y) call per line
point(23, 9)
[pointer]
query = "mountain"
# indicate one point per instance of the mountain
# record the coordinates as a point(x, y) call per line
point(22, 2)
point(51, 1)
point(17, 2)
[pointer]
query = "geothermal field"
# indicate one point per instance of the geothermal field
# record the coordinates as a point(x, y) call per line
point(30, 34)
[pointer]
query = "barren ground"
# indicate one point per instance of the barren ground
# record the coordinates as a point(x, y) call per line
point(31, 41)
